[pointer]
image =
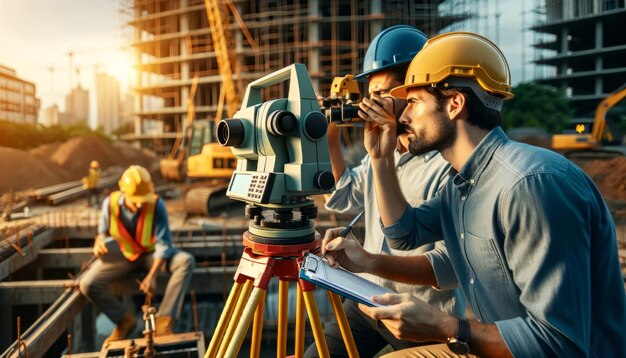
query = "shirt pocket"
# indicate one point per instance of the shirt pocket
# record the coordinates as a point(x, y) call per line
point(484, 258)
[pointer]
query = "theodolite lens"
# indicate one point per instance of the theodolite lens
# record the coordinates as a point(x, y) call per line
point(230, 132)
point(281, 122)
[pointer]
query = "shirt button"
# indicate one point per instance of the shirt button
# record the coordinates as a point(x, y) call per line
point(472, 181)
point(462, 235)
point(463, 198)
point(471, 281)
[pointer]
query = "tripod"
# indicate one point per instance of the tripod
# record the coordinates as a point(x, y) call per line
point(274, 249)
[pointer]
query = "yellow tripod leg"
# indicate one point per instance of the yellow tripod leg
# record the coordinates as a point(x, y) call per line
point(344, 326)
point(257, 328)
point(244, 322)
point(283, 305)
point(234, 319)
point(235, 291)
point(300, 318)
point(316, 324)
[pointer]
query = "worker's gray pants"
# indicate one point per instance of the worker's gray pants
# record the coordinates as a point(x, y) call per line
point(114, 266)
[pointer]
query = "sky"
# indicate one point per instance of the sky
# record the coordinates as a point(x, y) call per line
point(36, 35)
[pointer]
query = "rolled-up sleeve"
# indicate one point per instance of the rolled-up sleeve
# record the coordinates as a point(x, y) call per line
point(416, 227)
point(548, 251)
point(163, 248)
point(442, 266)
point(349, 189)
point(103, 224)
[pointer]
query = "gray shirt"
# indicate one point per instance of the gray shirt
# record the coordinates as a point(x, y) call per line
point(420, 177)
point(532, 245)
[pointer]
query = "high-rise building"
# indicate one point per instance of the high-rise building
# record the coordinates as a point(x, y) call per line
point(77, 106)
point(108, 102)
point(173, 44)
point(51, 116)
point(580, 48)
point(18, 99)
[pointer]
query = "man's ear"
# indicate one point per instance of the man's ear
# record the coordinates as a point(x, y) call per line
point(457, 106)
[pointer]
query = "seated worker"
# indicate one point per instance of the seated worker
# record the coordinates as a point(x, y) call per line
point(134, 236)
point(529, 238)
point(386, 61)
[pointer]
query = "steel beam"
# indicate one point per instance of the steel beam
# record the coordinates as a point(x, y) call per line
point(29, 253)
point(74, 257)
point(32, 292)
point(206, 280)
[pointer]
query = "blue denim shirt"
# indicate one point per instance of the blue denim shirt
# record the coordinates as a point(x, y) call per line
point(163, 248)
point(533, 247)
point(421, 178)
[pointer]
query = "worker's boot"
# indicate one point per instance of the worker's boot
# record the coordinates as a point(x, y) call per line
point(164, 325)
point(123, 328)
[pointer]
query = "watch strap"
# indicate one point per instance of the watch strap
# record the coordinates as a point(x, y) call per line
point(463, 332)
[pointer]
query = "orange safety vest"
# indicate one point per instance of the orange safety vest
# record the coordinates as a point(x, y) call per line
point(132, 246)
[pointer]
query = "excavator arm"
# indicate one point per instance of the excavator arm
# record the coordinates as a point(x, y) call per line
point(599, 123)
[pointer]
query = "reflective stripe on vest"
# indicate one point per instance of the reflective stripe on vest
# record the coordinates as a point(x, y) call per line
point(143, 240)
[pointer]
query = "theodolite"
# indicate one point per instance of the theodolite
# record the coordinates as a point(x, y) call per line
point(342, 106)
point(282, 159)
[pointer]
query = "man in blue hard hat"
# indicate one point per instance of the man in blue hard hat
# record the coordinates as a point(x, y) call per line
point(386, 61)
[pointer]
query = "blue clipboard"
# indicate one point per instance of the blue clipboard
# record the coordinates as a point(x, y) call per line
point(340, 281)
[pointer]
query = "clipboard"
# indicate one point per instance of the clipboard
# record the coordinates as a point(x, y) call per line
point(340, 281)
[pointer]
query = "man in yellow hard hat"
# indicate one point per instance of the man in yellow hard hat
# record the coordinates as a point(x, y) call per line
point(421, 177)
point(134, 236)
point(529, 238)
point(90, 182)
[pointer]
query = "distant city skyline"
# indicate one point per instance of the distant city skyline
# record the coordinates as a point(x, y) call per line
point(36, 37)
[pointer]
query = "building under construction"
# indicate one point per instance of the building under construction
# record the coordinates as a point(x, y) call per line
point(175, 43)
point(579, 50)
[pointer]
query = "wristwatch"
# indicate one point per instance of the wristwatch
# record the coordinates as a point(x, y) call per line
point(460, 343)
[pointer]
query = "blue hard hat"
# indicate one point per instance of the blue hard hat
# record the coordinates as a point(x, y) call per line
point(393, 46)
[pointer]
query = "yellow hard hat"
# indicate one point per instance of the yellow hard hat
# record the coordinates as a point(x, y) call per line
point(460, 59)
point(94, 164)
point(136, 184)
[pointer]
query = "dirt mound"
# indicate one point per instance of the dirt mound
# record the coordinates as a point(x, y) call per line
point(609, 176)
point(75, 155)
point(56, 163)
point(45, 151)
point(22, 171)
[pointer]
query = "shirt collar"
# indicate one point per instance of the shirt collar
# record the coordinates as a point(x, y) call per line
point(475, 165)
point(406, 156)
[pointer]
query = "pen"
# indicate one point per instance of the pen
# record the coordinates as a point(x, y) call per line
point(347, 230)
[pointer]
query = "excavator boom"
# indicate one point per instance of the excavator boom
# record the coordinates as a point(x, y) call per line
point(591, 141)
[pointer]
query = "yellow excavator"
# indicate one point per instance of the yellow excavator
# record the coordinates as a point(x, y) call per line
point(203, 157)
point(593, 140)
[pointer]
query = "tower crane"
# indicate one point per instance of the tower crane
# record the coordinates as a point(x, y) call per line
point(203, 157)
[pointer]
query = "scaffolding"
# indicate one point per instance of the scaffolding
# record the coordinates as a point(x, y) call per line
point(172, 44)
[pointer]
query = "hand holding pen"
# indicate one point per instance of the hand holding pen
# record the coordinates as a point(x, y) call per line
point(346, 230)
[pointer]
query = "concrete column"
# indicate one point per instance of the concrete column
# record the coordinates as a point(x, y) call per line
point(314, 38)
point(599, 34)
point(564, 40)
point(184, 63)
point(562, 69)
point(376, 25)
point(87, 321)
point(599, 83)
point(6, 317)
point(138, 96)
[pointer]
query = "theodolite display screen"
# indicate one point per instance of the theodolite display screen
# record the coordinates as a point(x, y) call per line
point(241, 183)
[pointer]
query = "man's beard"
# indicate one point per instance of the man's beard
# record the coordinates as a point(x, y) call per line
point(445, 135)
